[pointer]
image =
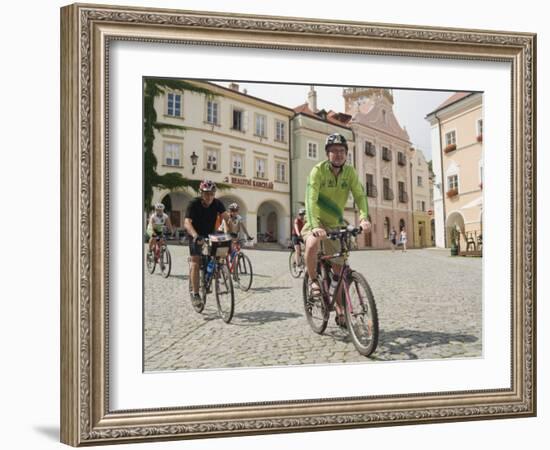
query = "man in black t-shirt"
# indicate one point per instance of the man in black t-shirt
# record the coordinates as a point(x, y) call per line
point(200, 221)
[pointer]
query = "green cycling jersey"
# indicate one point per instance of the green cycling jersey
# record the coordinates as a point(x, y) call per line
point(327, 195)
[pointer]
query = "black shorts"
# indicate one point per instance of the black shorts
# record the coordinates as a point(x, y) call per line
point(194, 248)
point(297, 240)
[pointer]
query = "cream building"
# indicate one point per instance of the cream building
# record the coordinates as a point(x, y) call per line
point(457, 150)
point(236, 139)
point(382, 160)
point(422, 202)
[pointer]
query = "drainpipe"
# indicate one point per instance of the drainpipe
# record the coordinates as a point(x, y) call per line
point(442, 181)
point(290, 162)
point(412, 200)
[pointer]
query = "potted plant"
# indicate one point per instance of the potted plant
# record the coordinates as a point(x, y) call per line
point(454, 241)
point(479, 138)
point(452, 193)
point(449, 148)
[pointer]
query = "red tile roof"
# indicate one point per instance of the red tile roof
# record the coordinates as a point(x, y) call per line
point(335, 118)
point(453, 98)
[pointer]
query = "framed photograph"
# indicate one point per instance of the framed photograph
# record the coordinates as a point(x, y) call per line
point(183, 131)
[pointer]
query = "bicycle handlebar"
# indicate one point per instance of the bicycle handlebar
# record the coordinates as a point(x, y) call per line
point(343, 232)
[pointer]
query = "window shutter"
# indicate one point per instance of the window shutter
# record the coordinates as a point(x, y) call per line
point(245, 121)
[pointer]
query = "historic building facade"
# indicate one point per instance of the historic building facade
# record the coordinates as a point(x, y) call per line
point(422, 199)
point(233, 138)
point(457, 154)
point(383, 153)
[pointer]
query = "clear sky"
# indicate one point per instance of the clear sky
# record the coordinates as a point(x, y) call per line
point(410, 106)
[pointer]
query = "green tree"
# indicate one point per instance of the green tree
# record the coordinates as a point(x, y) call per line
point(154, 87)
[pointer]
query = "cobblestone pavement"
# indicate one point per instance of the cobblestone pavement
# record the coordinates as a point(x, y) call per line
point(429, 307)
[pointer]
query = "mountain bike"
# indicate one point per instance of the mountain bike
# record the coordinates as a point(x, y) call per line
point(161, 255)
point(214, 271)
point(296, 269)
point(240, 266)
point(358, 301)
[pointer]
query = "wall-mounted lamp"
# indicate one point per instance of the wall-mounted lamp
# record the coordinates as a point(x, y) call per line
point(194, 159)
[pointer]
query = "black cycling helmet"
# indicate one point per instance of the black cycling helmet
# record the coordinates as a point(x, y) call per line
point(335, 138)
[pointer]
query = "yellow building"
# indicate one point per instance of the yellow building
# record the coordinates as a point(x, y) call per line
point(457, 142)
point(231, 138)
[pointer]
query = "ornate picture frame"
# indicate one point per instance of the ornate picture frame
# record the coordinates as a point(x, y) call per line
point(87, 32)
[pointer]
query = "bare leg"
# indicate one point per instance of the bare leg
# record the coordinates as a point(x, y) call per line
point(194, 273)
point(297, 254)
point(312, 248)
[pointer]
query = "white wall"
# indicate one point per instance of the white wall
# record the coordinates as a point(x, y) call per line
point(30, 296)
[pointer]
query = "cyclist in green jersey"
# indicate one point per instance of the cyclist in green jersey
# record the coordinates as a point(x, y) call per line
point(327, 191)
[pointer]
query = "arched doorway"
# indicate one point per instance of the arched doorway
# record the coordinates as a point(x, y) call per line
point(271, 223)
point(455, 230)
point(368, 235)
point(175, 204)
point(386, 227)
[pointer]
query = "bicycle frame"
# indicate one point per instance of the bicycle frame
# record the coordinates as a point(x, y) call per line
point(232, 255)
point(342, 277)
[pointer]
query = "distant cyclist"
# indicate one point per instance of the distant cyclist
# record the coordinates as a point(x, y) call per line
point(297, 226)
point(235, 224)
point(155, 227)
point(328, 187)
point(200, 221)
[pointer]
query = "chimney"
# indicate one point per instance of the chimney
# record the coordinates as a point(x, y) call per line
point(312, 99)
point(234, 87)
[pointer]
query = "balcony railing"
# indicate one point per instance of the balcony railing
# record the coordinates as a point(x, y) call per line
point(370, 149)
point(403, 197)
point(386, 154)
point(371, 190)
point(401, 159)
point(388, 193)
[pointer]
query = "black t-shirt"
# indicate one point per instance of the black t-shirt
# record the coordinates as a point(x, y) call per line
point(204, 219)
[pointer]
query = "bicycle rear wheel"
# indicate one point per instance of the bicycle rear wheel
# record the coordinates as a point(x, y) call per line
point(361, 315)
point(225, 296)
point(165, 262)
point(295, 270)
point(243, 272)
point(150, 261)
point(317, 312)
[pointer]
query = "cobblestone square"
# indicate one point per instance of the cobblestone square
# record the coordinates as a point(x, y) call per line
point(429, 306)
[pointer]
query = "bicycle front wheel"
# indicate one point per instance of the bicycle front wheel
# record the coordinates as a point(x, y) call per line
point(243, 272)
point(361, 315)
point(317, 312)
point(295, 270)
point(150, 261)
point(225, 296)
point(165, 262)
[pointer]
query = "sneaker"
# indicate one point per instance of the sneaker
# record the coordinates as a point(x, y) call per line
point(196, 300)
point(340, 321)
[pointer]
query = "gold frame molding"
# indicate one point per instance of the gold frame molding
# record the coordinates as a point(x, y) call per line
point(86, 31)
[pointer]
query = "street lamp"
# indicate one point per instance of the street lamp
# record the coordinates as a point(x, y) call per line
point(194, 159)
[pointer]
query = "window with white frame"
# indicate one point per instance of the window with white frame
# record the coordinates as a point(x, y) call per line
point(452, 182)
point(173, 104)
point(237, 164)
point(260, 129)
point(450, 138)
point(312, 150)
point(261, 165)
point(280, 131)
point(419, 181)
point(212, 159)
point(172, 154)
point(281, 172)
point(213, 112)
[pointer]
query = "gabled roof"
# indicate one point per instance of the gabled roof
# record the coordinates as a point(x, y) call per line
point(335, 118)
point(457, 96)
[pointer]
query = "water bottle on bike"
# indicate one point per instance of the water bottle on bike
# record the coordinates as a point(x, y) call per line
point(209, 269)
